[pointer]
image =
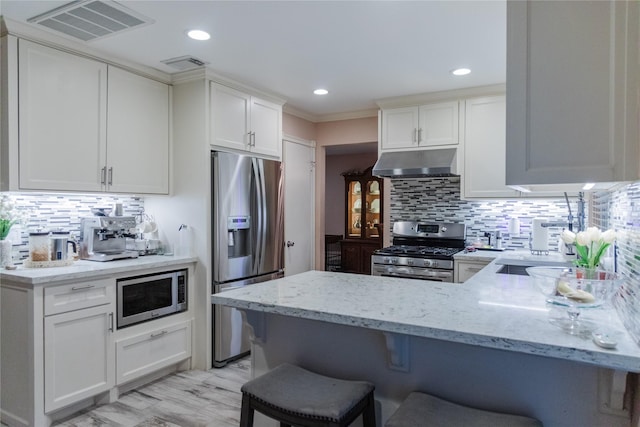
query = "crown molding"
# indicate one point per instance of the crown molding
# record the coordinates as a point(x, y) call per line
point(446, 95)
point(204, 73)
point(319, 118)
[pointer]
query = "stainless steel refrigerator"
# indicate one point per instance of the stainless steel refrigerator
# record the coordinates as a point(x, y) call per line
point(247, 239)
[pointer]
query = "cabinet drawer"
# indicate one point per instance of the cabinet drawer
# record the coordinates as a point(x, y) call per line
point(76, 296)
point(153, 350)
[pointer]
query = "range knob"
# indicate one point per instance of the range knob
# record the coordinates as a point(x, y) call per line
point(409, 261)
point(428, 263)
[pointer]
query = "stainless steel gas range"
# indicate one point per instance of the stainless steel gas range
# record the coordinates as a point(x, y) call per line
point(421, 250)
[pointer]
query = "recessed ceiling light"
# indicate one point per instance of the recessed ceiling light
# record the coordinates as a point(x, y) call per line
point(321, 91)
point(198, 35)
point(461, 72)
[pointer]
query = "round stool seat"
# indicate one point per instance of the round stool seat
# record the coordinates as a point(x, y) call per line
point(294, 395)
point(421, 409)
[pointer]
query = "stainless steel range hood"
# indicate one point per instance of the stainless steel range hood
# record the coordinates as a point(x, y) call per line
point(416, 164)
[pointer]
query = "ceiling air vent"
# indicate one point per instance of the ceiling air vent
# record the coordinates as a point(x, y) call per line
point(184, 63)
point(91, 19)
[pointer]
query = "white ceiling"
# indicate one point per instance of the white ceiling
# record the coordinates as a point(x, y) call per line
point(359, 50)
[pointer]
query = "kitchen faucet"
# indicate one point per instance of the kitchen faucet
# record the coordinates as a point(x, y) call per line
point(569, 224)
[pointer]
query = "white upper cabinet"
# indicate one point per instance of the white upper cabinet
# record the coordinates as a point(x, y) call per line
point(62, 120)
point(244, 122)
point(87, 126)
point(419, 127)
point(137, 134)
point(484, 149)
point(266, 127)
point(572, 92)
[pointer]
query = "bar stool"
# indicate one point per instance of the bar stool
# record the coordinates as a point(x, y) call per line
point(295, 396)
point(424, 410)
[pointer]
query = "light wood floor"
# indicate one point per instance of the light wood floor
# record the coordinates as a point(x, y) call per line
point(184, 399)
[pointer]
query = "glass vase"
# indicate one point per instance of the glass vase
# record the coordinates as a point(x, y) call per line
point(6, 255)
point(589, 288)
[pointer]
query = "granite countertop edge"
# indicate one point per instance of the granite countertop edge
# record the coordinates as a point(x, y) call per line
point(81, 270)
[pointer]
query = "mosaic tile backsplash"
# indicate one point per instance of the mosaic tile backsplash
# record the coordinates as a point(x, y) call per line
point(59, 212)
point(438, 199)
point(620, 210)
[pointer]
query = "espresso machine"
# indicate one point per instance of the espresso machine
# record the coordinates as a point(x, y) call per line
point(104, 238)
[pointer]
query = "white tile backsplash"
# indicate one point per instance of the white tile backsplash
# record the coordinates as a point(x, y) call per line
point(60, 211)
point(438, 199)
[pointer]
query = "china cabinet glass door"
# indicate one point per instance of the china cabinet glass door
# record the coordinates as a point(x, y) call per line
point(363, 208)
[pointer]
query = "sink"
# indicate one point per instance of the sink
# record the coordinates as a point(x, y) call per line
point(518, 266)
point(519, 270)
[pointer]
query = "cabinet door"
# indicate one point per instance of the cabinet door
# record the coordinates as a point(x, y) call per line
point(366, 253)
point(572, 104)
point(62, 116)
point(438, 124)
point(399, 128)
point(230, 111)
point(484, 149)
point(464, 270)
point(266, 125)
point(153, 350)
point(78, 355)
point(137, 134)
point(351, 257)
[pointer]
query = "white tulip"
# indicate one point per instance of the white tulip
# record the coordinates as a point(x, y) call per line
point(583, 238)
point(568, 236)
point(594, 234)
point(608, 236)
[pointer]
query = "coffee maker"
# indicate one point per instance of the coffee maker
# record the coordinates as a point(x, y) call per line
point(103, 238)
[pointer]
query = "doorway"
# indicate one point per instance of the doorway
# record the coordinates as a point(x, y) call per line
point(338, 160)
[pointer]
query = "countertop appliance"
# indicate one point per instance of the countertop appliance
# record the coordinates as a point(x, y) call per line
point(150, 297)
point(421, 250)
point(247, 239)
point(104, 238)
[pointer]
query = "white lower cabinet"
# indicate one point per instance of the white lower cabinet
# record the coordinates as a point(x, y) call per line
point(464, 270)
point(78, 341)
point(64, 351)
point(147, 352)
point(78, 355)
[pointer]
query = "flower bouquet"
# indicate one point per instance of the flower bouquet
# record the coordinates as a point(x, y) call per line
point(8, 216)
point(590, 245)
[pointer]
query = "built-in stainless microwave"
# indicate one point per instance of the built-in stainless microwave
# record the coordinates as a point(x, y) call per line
point(149, 297)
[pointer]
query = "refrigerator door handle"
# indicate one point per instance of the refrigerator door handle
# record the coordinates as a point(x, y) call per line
point(258, 175)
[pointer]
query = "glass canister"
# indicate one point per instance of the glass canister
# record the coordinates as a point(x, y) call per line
point(39, 246)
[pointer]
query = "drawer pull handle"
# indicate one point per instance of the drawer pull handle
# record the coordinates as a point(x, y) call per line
point(79, 288)
point(158, 334)
point(111, 322)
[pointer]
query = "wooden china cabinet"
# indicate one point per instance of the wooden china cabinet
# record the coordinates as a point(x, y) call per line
point(363, 221)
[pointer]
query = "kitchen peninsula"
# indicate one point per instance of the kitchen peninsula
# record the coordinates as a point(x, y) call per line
point(485, 343)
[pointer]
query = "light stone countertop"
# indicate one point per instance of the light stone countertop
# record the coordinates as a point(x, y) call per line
point(522, 255)
point(490, 310)
point(82, 270)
